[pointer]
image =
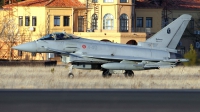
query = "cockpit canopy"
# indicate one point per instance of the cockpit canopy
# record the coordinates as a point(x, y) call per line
point(59, 36)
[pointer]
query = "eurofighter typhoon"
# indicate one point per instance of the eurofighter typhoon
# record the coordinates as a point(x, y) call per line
point(156, 52)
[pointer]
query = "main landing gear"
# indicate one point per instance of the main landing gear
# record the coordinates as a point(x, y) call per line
point(129, 73)
point(106, 73)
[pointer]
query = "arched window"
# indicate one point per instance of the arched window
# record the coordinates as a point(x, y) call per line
point(94, 22)
point(132, 42)
point(106, 40)
point(108, 22)
point(123, 23)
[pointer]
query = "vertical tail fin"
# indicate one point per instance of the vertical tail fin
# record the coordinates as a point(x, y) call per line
point(169, 36)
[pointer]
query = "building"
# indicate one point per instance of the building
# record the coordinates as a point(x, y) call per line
point(36, 18)
point(119, 21)
point(165, 11)
point(108, 20)
point(148, 17)
point(112, 20)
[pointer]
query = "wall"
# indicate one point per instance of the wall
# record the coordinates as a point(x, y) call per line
point(26, 33)
point(39, 29)
point(60, 12)
point(113, 37)
point(115, 8)
point(156, 14)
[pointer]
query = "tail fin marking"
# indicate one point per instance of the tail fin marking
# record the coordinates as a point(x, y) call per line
point(169, 36)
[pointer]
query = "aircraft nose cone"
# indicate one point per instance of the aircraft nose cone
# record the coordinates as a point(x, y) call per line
point(29, 47)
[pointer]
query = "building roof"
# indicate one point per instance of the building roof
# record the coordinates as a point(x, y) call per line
point(48, 3)
point(171, 4)
point(189, 4)
point(146, 4)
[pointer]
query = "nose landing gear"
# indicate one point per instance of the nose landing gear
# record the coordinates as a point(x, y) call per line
point(70, 75)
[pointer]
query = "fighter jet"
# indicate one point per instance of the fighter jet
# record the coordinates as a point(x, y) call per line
point(159, 51)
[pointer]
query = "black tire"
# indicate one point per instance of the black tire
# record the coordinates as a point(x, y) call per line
point(71, 75)
point(129, 74)
point(106, 74)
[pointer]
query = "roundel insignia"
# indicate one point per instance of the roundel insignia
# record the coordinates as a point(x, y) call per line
point(168, 30)
point(83, 46)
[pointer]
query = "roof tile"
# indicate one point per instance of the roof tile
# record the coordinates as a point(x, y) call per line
point(171, 4)
point(48, 3)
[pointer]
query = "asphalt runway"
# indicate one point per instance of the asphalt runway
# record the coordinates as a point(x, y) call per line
point(99, 100)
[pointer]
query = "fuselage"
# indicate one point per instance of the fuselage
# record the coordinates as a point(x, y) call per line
point(92, 47)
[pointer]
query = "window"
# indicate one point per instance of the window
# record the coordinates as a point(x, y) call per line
point(56, 20)
point(66, 21)
point(123, 1)
point(132, 23)
point(123, 23)
point(80, 23)
point(180, 51)
point(34, 20)
point(33, 54)
point(108, 22)
point(148, 22)
point(108, 0)
point(19, 53)
point(191, 24)
point(20, 20)
point(94, 1)
point(165, 22)
point(139, 22)
point(27, 20)
point(94, 22)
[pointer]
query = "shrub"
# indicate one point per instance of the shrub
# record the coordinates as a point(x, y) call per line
point(192, 56)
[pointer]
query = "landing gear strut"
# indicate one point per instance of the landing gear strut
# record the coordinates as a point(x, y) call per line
point(106, 73)
point(70, 75)
point(129, 73)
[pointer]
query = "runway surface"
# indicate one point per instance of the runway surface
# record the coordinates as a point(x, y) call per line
point(99, 100)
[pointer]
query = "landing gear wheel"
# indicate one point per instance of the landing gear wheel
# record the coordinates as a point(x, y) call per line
point(106, 74)
point(71, 75)
point(129, 74)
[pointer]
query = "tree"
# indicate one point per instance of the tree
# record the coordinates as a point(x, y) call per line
point(192, 56)
point(1, 3)
point(10, 34)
